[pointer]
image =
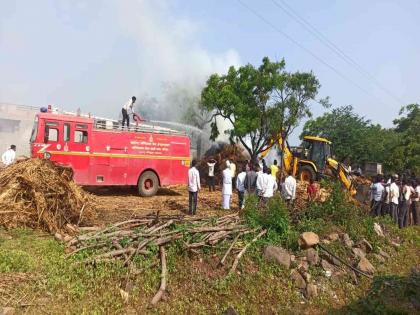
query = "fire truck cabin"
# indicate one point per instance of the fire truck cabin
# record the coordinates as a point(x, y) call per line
point(102, 154)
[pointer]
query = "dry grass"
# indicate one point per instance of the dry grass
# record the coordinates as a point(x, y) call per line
point(39, 194)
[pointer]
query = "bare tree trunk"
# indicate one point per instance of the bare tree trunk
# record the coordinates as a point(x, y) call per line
point(282, 158)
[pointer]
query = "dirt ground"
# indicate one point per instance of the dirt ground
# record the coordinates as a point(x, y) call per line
point(115, 204)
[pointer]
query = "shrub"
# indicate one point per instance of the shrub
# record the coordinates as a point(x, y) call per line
point(274, 217)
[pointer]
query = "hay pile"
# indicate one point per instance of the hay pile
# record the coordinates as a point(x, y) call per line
point(39, 194)
point(221, 152)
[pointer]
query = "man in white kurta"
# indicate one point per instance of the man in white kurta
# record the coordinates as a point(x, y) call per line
point(9, 156)
point(226, 188)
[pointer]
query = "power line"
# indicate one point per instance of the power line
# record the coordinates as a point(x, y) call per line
point(339, 52)
point(343, 76)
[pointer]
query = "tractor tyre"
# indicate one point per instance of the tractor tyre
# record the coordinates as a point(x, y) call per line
point(148, 184)
point(306, 173)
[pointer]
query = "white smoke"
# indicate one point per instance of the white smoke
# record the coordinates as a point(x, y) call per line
point(169, 50)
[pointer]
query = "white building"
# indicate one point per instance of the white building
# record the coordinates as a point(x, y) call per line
point(16, 122)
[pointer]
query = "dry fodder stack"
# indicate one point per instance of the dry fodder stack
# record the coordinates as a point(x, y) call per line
point(40, 194)
point(222, 152)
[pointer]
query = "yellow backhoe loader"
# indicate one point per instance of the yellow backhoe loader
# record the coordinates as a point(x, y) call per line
point(313, 161)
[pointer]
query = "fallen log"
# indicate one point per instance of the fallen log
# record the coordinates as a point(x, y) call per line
point(222, 261)
point(235, 263)
point(162, 288)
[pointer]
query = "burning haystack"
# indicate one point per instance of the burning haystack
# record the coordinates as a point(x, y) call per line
point(221, 152)
point(40, 194)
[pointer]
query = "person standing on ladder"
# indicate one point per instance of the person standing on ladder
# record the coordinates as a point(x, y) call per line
point(128, 106)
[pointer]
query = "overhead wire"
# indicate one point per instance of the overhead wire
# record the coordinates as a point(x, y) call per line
point(333, 47)
point(308, 51)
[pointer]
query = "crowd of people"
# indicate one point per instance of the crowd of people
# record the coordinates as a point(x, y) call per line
point(256, 179)
point(397, 197)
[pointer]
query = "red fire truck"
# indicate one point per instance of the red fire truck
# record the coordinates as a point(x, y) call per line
point(101, 154)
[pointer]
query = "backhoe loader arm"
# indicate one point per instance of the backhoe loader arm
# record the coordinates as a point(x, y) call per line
point(343, 175)
point(286, 153)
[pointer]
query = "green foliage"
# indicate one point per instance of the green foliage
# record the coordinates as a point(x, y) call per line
point(15, 261)
point(274, 217)
point(259, 102)
point(408, 126)
point(339, 212)
point(356, 140)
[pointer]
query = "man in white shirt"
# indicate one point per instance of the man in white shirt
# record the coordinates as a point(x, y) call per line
point(405, 205)
point(289, 189)
point(128, 106)
point(416, 204)
point(232, 167)
point(394, 192)
point(211, 163)
point(227, 187)
point(260, 182)
point(270, 185)
point(9, 155)
point(193, 187)
point(240, 186)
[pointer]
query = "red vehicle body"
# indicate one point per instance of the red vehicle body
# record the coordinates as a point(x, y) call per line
point(100, 153)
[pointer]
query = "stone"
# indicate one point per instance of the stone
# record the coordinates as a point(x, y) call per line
point(307, 276)
point(326, 242)
point(378, 230)
point(383, 254)
point(303, 266)
point(58, 237)
point(333, 237)
point(327, 266)
point(278, 255)
point(365, 245)
point(330, 258)
point(379, 258)
point(308, 239)
point(358, 252)
point(312, 256)
point(7, 311)
point(230, 311)
point(298, 280)
point(365, 266)
point(347, 240)
point(311, 291)
point(292, 258)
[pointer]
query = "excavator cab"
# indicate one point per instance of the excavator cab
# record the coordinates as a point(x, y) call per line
point(313, 161)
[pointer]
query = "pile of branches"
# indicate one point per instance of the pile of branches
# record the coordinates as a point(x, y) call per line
point(40, 194)
point(124, 241)
point(221, 152)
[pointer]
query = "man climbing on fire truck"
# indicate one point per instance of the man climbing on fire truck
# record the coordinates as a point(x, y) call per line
point(128, 106)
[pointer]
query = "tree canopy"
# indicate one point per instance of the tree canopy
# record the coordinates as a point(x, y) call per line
point(259, 103)
point(356, 140)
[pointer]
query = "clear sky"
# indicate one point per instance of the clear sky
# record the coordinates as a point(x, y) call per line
point(95, 54)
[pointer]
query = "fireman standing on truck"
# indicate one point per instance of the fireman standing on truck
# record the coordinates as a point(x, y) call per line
point(128, 106)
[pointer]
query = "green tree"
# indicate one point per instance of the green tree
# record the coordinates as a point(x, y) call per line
point(356, 140)
point(259, 102)
point(408, 127)
point(345, 129)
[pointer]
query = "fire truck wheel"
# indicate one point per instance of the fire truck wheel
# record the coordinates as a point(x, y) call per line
point(148, 184)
